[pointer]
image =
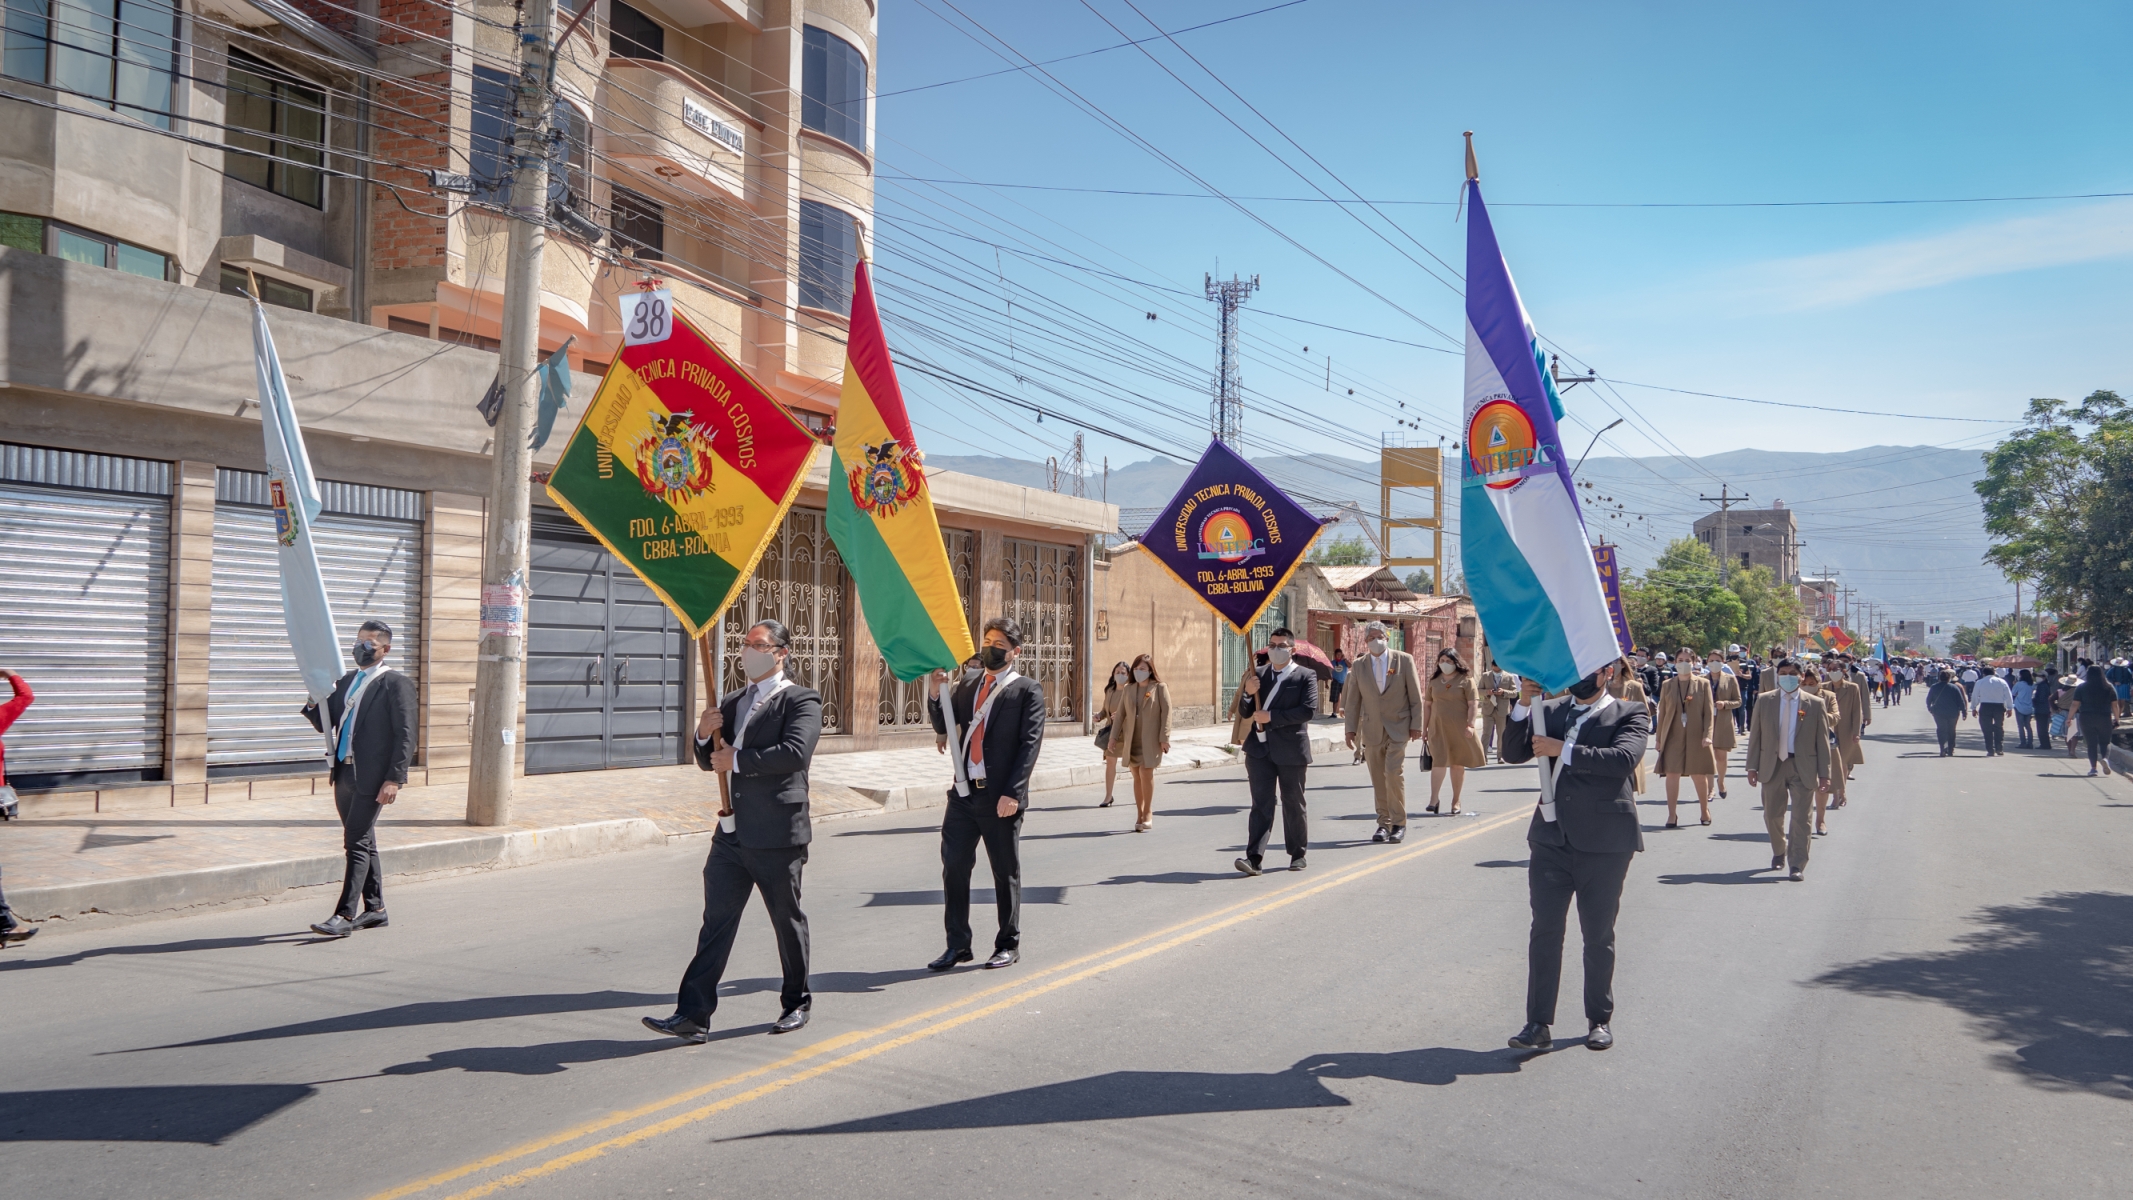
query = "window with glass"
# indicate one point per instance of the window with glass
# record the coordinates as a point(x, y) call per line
point(631, 34)
point(283, 121)
point(833, 87)
point(568, 180)
point(271, 290)
point(122, 52)
point(640, 225)
point(25, 232)
point(829, 249)
point(488, 154)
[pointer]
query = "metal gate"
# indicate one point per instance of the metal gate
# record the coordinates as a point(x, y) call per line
point(605, 660)
point(1237, 651)
point(369, 543)
point(84, 613)
point(1044, 597)
point(801, 583)
point(903, 705)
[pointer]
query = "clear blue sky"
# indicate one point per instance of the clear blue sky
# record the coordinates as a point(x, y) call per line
point(1954, 310)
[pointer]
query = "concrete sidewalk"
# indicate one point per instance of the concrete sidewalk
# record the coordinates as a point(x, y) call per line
point(123, 866)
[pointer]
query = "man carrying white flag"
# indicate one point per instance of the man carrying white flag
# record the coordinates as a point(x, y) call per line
point(294, 493)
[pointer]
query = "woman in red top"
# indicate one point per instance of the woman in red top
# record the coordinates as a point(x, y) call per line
point(11, 930)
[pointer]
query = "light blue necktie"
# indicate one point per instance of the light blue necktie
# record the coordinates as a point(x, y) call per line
point(348, 717)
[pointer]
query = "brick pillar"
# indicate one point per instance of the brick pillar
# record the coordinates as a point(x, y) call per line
point(415, 128)
point(451, 619)
point(192, 585)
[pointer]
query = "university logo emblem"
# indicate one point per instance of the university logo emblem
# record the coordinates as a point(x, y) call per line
point(891, 477)
point(284, 520)
point(1501, 443)
point(674, 459)
point(1226, 536)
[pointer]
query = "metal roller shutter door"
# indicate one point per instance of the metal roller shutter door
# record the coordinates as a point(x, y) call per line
point(373, 569)
point(84, 613)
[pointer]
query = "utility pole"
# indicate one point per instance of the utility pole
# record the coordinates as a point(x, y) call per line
point(1227, 413)
point(1725, 502)
point(499, 676)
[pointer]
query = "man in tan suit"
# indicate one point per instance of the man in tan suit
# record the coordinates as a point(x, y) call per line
point(1499, 691)
point(1853, 716)
point(1384, 704)
point(1789, 758)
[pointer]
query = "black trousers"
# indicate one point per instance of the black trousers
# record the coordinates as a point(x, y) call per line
point(1944, 728)
point(2096, 735)
point(1992, 722)
point(1554, 875)
point(1266, 779)
point(969, 820)
point(363, 878)
point(730, 873)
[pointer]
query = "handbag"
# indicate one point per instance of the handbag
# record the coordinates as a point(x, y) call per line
point(1427, 757)
point(2058, 724)
point(1103, 738)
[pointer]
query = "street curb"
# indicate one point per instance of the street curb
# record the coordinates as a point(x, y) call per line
point(264, 881)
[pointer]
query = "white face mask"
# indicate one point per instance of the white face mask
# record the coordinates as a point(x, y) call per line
point(1376, 646)
point(1140, 674)
point(1443, 667)
point(1788, 683)
point(1120, 677)
point(1278, 656)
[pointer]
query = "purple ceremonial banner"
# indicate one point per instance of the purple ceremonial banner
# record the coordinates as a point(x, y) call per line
point(1232, 538)
point(1603, 557)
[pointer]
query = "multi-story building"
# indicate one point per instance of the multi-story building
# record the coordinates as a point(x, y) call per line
point(1755, 537)
point(156, 155)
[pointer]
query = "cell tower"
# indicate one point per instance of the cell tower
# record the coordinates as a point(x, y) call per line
point(1077, 470)
point(1226, 414)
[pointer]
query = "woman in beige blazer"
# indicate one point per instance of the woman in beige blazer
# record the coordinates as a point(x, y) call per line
point(1725, 697)
point(1812, 683)
point(1630, 690)
point(1683, 734)
point(1450, 701)
point(1143, 733)
point(1114, 693)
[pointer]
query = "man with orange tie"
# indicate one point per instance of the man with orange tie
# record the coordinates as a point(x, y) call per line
point(996, 731)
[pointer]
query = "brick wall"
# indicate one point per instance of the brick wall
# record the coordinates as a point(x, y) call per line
point(414, 122)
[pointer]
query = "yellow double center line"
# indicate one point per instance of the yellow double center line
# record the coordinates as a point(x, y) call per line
point(927, 1024)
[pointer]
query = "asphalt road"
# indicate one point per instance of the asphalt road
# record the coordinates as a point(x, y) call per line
point(1943, 1008)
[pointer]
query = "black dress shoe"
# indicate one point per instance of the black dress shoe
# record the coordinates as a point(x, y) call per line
point(374, 919)
point(1534, 1036)
point(949, 958)
point(678, 1026)
point(1247, 866)
point(1379, 836)
point(1296, 864)
point(1777, 862)
point(1598, 1037)
point(335, 926)
point(1797, 875)
point(1397, 832)
point(795, 1019)
point(1003, 958)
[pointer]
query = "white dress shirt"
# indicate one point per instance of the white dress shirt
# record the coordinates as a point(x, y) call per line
point(1789, 716)
point(1584, 713)
point(1378, 665)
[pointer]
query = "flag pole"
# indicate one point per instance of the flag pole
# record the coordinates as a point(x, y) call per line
point(718, 741)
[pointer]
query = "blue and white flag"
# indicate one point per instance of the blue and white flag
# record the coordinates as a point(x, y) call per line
point(294, 493)
point(1522, 536)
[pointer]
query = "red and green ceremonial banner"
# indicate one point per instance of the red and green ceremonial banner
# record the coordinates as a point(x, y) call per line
point(881, 512)
point(683, 467)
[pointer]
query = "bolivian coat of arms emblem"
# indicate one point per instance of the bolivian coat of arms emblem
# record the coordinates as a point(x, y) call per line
point(674, 458)
point(891, 477)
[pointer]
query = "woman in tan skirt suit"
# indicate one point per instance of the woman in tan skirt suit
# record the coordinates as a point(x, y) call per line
point(1114, 692)
point(1143, 731)
point(1683, 732)
point(1725, 697)
point(1449, 701)
point(1630, 690)
point(1811, 683)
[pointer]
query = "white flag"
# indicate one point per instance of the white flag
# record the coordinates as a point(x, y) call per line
point(295, 496)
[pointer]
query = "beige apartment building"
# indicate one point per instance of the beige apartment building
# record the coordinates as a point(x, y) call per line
point(153, 157)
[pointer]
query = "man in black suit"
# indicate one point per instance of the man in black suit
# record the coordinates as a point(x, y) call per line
point(1280, 698)
point(1582, 837)
point(371, 717)
point(764, 735)
point(998, 730)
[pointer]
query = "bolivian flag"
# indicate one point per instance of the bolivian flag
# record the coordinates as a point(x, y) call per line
point(881, 512)
point(683, 467)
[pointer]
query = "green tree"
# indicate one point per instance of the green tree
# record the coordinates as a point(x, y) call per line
point(1680, 602)
point(1772, 608)
point(1967, 639)
point(1418, 581)
point(2058, 499)
point(1342, 552)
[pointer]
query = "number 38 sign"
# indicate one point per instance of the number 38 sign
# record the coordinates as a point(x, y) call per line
point(648, 317)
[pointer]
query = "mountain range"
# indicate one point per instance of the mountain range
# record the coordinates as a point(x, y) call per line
point(1901, 524)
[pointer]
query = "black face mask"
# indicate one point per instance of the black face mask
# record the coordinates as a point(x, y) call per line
point(1585, 689)
point(994, 657)
point(366, 652)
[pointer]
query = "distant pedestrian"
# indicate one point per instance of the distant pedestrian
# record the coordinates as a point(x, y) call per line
point(2024, 689)
point(1143, 730)
point(1790, 759)
point(1339, 682)
point(371, 717)
point(1384, 714)
point(1947, 702)
point(1726, 705)
point(999, 730)
point(1278, 699)
point(2120, 676)
point(1499, 692)
point(1991, 701)
point(1684, 733)
point(1107, 734)
point(2096, 708)
point(1449, 704)
point(1750, 677)
point(19, 698)
point(764, 735)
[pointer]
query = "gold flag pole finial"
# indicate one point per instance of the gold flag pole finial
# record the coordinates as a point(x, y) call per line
point(1473, 171)
point(859, 235)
